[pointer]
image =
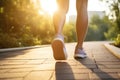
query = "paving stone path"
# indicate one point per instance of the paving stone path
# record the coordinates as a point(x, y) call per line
point(39, 64)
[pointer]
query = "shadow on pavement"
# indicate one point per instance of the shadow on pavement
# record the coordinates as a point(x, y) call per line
point(100, 75)
point(12, 54)
point(63, 71)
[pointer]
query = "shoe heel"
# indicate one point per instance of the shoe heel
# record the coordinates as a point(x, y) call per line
point(58, 50)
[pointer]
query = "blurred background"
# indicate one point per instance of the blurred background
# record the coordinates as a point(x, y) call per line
point(29, 22)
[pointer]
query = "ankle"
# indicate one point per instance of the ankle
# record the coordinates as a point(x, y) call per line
point(79, 47)
point(58, 34)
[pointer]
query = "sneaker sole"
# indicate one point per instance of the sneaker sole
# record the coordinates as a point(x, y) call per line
point(58, 50)
point(80, 57)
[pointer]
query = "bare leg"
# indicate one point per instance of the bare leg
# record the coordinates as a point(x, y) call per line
point(60, 16)
point(59, 50)
point(82, 21)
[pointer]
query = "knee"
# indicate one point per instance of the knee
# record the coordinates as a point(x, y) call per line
point(63, 10)
point(63, 6)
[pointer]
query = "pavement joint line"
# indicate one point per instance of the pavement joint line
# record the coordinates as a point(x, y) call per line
point(51, 75)
point(27, 74)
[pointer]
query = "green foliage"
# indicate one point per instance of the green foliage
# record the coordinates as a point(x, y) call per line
point(112, 32)
point(27, 40)
point(117, 41)
point(22, 25)
point(115, 8)
point(97, 28)
point(8, 41)
point(69, 32)
point(114, 13)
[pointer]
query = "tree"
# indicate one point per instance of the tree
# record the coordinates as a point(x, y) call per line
point(114, 13)
point(20, 22)
point(114, 32)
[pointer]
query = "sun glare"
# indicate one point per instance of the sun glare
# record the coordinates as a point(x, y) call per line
point(49, 6)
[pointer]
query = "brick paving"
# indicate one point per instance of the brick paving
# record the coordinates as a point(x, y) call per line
point(39, 64)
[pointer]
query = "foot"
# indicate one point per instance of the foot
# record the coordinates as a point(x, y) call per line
point(79, 53)
point(58, 47)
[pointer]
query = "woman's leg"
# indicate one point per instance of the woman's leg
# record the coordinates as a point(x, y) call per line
point(59, 50)
point(60, 16)
point(81, 27)
point(82, 21)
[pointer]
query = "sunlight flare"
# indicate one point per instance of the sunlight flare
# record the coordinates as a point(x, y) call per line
point(49, 6)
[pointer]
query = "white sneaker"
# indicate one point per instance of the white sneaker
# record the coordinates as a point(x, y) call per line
point(79, 53)
point(59, 50)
